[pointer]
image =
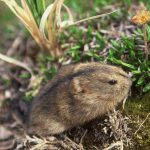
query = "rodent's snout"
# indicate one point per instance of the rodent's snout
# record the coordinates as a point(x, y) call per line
point(7, 140)
point(126, 78)
point(129, 81)
point(126, 85)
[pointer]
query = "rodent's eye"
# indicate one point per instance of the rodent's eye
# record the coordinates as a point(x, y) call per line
point(112, 82)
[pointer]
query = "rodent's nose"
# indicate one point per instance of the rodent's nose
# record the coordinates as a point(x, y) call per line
point(7, 140)
point(130, 74)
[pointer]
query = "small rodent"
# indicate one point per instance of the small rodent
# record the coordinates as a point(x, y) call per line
point(77, 94)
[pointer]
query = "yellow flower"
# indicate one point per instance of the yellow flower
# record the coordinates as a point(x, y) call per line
point(141, 17)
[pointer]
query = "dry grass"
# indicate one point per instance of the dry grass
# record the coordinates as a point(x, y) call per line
point(108, 133)
point(51, 25)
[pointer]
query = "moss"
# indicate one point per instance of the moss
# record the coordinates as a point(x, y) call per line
point(138, 109)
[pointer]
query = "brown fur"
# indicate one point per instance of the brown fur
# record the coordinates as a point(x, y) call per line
point(77, 94)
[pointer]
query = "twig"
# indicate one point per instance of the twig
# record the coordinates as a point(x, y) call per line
point(73, 143)
point(142, 124)
point(119, 143)
point(145, 42)
point(93, 17)
point(38, 146)
point(15, 44)
point(38, 141)
point(124, 101)
point(81, 140)
point(17, 63)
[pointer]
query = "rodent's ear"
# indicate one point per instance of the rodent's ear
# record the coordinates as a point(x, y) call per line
point(76, 85)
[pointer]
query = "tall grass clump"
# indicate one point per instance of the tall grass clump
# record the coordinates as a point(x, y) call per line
point(45, 23)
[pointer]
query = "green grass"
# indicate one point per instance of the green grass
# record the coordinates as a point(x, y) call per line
point(127, 53)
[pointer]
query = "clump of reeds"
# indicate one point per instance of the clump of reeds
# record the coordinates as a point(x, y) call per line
point(44, 24)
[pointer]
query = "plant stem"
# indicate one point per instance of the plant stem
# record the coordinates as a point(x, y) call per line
point(93, 17)
point(145, 42)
